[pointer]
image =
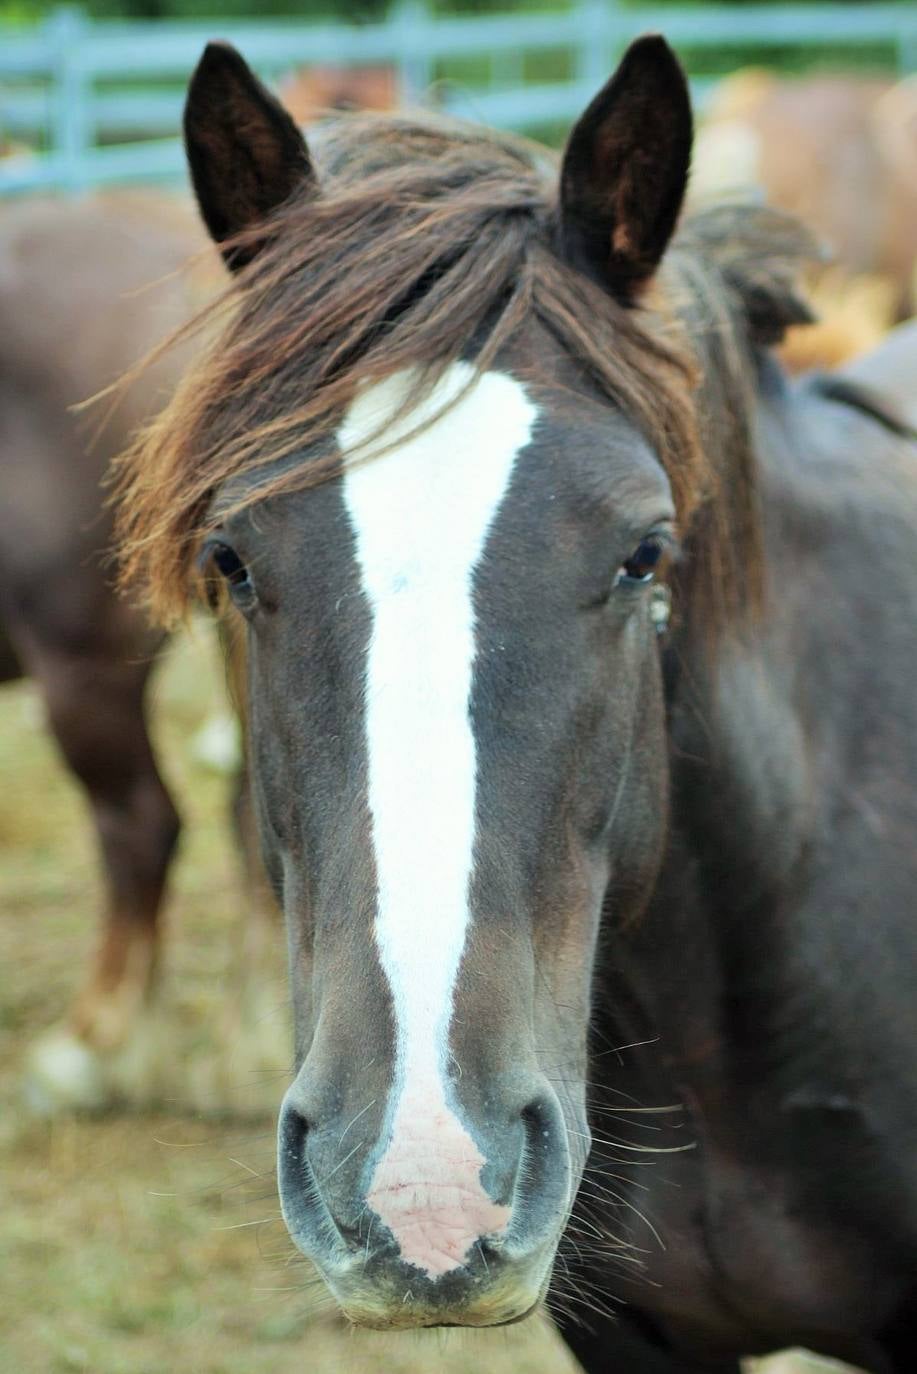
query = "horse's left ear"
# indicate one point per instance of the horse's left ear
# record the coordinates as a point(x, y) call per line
point(245, 153)
point(625, 170)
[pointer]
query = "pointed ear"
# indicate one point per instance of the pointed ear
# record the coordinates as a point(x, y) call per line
point(625, 170)
point(245, 153)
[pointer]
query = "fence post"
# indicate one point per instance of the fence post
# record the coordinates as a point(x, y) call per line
point(71, 126)
point(594, 21)
point(907, 45)
point(411, 23)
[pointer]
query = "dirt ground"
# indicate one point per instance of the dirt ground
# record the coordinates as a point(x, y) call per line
point(150, 1243)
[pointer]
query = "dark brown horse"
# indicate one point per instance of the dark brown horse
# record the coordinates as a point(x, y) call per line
point(85, 289)
point(891, 369)
point(462, 437)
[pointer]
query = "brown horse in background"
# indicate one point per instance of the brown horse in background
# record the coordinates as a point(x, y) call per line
point(839, 152)
point(313, 91)
point(87, 288)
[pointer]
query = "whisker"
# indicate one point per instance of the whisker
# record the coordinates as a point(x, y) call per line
point(241, 1225)
point(357, 1118)
point(341, 1162)
point(619, 1049)
point(619, 1144)
point(243, 1165)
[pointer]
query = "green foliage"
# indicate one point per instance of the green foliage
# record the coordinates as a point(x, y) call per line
point(345, 11)
point(789, 60)
point(352, 11)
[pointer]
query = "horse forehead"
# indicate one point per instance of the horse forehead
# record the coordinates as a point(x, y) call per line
point(425, 502)
point(443, 457)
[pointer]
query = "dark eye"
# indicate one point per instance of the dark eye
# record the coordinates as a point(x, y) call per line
point(229, 564)
point(233, 571)
point(641, 566)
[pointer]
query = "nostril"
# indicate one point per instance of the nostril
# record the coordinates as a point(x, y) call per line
point(318, 1225)
point(540, 1121)
point(293, 1172)
point(292, 1133)
point(542, 1194)
point(304, 1212)
point(544, 1123)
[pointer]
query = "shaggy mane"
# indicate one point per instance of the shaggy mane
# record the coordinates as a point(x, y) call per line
point(428, 242)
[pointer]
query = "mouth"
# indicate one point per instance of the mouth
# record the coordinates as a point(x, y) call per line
point(380, 1282)
point(415, 1311)
point(494, 1292)
point(417, 1321)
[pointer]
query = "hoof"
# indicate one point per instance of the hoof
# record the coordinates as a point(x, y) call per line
point(236, 1066)
point(63, 1074)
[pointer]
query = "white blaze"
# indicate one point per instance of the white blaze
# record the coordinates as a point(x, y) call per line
point(421, 513)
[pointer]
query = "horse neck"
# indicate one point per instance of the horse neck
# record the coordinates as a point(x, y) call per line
point(716, 953)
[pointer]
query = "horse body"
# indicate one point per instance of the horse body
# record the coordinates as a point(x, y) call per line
point(773, 971)
point(839, 153)
point(76, 310)
point(454, 429)
point(836, 151)
point(892, 369)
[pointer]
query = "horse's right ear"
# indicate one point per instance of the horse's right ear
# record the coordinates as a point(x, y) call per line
point(245, 153)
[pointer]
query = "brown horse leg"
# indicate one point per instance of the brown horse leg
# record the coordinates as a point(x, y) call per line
point(10, 667)
point(95, 708)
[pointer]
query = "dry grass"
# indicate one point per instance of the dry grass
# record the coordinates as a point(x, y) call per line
point(149, 1244)
point(140, 1244)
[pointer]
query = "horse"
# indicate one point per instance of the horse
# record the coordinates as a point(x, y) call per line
point(783, 136)
point(838, 151)
point(311, 92)
point(79, 300)
point(582, 727)
point(891, 369)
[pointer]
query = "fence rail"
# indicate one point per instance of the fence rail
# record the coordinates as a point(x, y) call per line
point(57, 82)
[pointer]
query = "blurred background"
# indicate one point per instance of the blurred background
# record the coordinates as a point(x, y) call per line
point(146, 1237)
point(814, 105)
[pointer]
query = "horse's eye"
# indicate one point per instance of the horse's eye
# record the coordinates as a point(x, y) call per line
point(231, 568)
point(229, 564)
point(640, 568)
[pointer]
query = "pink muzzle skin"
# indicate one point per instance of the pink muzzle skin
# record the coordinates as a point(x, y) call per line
point(427, 1186)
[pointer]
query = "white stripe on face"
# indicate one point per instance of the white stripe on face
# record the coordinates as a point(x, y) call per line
point(421, 513)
